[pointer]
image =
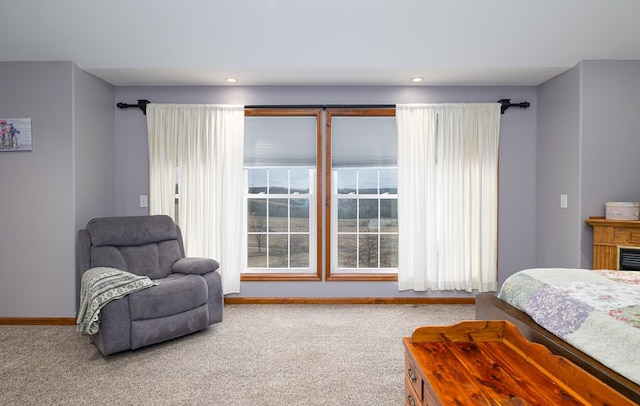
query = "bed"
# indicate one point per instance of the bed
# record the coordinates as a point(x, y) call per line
point(591, 317)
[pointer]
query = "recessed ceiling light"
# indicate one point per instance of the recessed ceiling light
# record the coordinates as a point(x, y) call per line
point(231, 80)
point(417, 80)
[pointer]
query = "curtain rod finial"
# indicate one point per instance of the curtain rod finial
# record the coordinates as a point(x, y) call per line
point(142, 105)
point(506, 103)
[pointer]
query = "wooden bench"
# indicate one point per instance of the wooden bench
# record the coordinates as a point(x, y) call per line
point(491, 363)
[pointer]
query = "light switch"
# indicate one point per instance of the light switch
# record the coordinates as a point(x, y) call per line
point(144, 201)
point(563, 201)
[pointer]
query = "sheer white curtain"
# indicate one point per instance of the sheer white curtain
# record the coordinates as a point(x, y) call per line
point(448, 196)
point(200, 148)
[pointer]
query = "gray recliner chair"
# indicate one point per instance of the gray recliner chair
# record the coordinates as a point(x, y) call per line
point(188, 297)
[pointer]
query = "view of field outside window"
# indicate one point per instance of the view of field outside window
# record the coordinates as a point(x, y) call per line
point(278, 218)
point(367, 219)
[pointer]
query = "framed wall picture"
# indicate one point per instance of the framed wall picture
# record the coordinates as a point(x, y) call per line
point(15, 134)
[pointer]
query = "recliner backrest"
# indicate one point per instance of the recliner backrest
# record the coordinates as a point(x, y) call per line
point(143, 245)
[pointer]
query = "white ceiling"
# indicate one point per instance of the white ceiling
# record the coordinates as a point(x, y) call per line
point(343, 42)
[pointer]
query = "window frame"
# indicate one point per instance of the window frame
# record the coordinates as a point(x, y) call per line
point(323, 190)
point(328, 171)
point(297, 276)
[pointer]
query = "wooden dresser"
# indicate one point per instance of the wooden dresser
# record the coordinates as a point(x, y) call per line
point(608, 236)
point(491, 363)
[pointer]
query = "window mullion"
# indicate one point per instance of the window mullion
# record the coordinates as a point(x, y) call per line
point(358, 219)
point(379, 221)
point(267, 233)
point(289, 227)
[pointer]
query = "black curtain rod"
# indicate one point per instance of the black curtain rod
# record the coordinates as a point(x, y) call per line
point(142, 105)
point(321, 106)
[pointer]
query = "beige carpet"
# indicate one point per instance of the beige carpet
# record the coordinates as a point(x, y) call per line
point(259, 355)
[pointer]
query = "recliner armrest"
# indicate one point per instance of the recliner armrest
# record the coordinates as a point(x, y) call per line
point(198, 266)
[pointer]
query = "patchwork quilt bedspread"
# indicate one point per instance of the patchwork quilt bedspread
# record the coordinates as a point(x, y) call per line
point(596, 311)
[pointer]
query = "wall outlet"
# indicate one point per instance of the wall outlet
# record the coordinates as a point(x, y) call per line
point(144, 201)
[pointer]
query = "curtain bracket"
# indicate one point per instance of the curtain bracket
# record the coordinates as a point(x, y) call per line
point(142, 105)
point(506, 103)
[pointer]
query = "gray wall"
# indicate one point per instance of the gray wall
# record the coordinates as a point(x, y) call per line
point(94, 150)
point(41, 204)
point(36, 214)
point(517, 164)
point(588, 120)
point(558, 170)
point(610, 123)
point(94, 147)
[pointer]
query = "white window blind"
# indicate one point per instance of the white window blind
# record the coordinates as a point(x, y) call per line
point(363, 141)
point(279, 141)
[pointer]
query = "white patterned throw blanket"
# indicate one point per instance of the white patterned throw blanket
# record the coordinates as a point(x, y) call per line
point(98, 287)
point(596, 311)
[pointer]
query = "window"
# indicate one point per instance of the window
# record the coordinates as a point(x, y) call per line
point(366, 220)
point(321, 205)
point(363, 219)
point(278, 219)
point(281, 194)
